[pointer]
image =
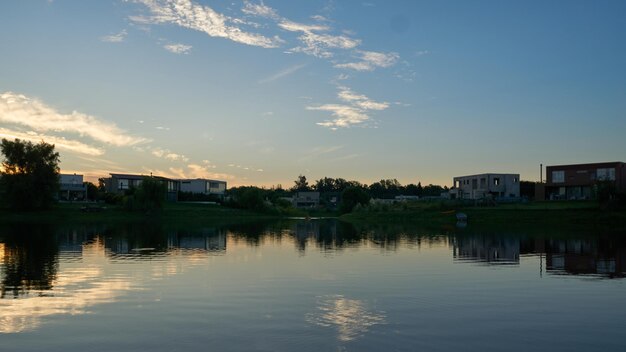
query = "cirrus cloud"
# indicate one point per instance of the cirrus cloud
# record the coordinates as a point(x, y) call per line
point(201, 18)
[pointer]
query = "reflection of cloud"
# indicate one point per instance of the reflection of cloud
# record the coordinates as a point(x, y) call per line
point(187, 14)
point(349, 316)
point(21, 110)
point(75, 290)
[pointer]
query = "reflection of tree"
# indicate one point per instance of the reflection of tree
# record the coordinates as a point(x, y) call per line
point(146, 234)
point(30, 259)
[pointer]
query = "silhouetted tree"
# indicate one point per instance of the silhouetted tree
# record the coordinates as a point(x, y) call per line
point(148, 196)
point(30, 175)
point(352, 196)
point(92, 191)
point(301, 184)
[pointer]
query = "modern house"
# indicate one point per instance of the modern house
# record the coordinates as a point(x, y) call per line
point(576, 181)
point(203, 186)
point(72, 188)
point(306, 199)
point(121, 183)
point(490, 185)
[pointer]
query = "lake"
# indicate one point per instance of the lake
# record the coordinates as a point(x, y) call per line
point(318, 285)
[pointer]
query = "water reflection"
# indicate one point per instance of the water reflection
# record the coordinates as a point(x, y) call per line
point(488, 249)
point(46, 270)
point(605, 256)
point(350, 317)
point(29, 260)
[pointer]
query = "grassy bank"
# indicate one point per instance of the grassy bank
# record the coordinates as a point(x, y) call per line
point(538, 214)
point(193, 213)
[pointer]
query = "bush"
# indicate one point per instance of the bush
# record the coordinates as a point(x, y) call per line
point(352, 196)
point(149, 196)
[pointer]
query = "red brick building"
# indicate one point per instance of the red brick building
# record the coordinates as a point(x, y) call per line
point(576, 181)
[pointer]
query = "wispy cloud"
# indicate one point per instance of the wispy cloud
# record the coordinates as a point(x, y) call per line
point(169, 155)
point(281, 74)
point(188, 14)
point(59, 142)
point(115, 38)
point(21, 110)
point(370, 60)
point(178, 48)
point(188, 171)
point(260, 10)
point(316, 41)
point(353, 112)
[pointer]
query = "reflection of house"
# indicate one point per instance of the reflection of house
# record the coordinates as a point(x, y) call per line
point(306, 199)
point(203, 186)
point(72, 188)
point(586, 257)
point(486, 185)
point(490, 250)
point(205, 239)
point(576, 181)
point(121, 183)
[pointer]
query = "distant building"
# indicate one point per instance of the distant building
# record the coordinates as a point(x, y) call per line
point(306, 199)
point(576, 181)
point(203, 186)
point(488, 185)
point(72, 188)
point(121, 183)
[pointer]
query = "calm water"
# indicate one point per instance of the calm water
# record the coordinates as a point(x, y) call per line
point(309, 286)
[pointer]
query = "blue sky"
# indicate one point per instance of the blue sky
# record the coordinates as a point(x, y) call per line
point(258, 92)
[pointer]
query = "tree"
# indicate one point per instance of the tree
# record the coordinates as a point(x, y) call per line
point(352, 196)
point(149, 196)
point(30, 175)
point(92, 191)
point(301, 184)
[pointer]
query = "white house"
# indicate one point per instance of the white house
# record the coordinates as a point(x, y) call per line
point(203, 186)
point(72, 188)
point(490, 185)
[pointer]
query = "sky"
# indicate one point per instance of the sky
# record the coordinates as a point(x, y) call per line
point(259, 92)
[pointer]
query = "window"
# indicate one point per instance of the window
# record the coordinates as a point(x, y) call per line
point(558, 176)
point(171, 186)
point(214, 185)
point(123, 184)
point(514, 179)
point(606, 174)
point(496, 181)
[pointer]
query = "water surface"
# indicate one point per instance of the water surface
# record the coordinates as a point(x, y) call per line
point(308, 286)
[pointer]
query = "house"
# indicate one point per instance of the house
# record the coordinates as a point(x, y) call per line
point(203, 186)
point(121, 183)
point(72, 188)
point(489, 185)
point(576, 181)
point(306, 199)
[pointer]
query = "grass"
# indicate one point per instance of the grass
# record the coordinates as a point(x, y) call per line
point(563, 215)
point(546, 215)
point(180, 213)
